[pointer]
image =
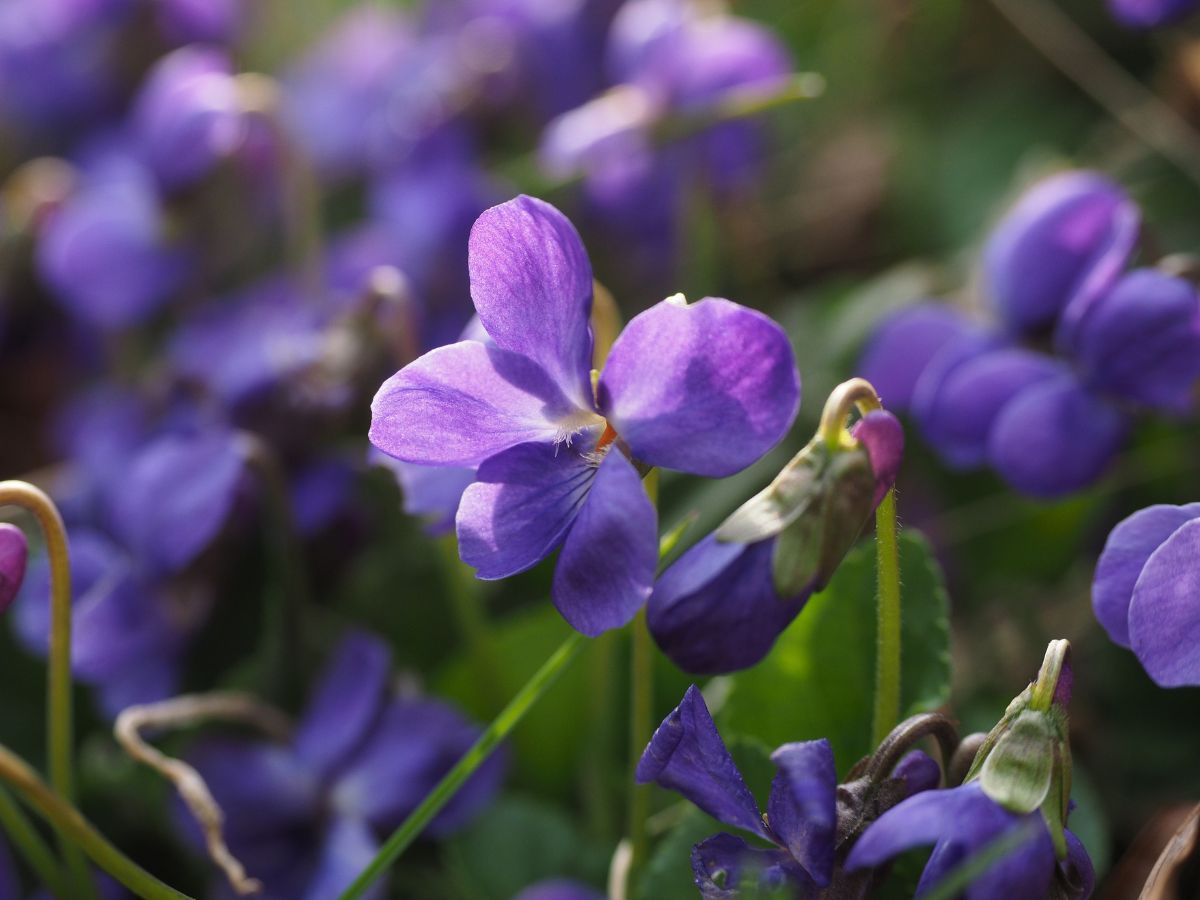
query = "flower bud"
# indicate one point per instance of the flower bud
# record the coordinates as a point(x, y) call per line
point(14, 552)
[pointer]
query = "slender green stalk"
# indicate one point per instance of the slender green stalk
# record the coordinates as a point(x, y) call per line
point(500, 728)
point(59, 712)
point(31, 846)
point(887, 662)
point(466, 602)
point(641, 728)
point(68, 821)
point(641, 723)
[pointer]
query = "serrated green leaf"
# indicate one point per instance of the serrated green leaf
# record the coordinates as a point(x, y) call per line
point(819, 679)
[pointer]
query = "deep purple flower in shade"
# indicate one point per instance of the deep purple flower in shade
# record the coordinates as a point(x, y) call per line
point(687, 755)
point(14, 553)
point(1145, 589)
point(704, 388)
point(960, 822)
point(1060, 246)
point(187, 117)
point(201, 21)
point(1150, 13)
point(717, 608)
point(559, 889)
point(106, 252)
point(307, 816)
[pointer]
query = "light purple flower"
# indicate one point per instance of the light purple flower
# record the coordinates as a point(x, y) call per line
point(14, 553)
point(307, 816)
point(1145, 589)
point(704, 388)
point(201, 21)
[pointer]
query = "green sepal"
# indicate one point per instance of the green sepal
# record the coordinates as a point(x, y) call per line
point(1019, 771)
point(781, 502)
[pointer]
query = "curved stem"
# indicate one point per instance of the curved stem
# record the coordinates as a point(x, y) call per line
point(59, 712)
point(857, 392)
point(68, 821)
point(31, 846)
point(500, 728)
point(901, 738)
point(888, 614)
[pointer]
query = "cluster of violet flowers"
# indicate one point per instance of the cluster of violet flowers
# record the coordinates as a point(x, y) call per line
point(1079, 341)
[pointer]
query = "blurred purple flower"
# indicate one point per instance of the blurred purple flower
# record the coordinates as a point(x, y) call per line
point(1150, 13)
point(716, 609)
point(106, 252)
point(1062, 244)
point(1145, 588)
point(558, 889)
point(201, 21)
point(705, 388)
point(14, 554)
point(306, 817)
point(961, 822)
point(188, 117)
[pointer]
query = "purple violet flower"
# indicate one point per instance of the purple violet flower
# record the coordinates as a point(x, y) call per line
point(187, 117)
point(307, 816)
point(1060, 246)
point(961, 822)
point(106, 252)
point(1145, 587)
point(559, 889)
point(717, 609)
point(687, 755)
point(14, 553)
point(201, 21)
point(705, 388)
point(1150, 13)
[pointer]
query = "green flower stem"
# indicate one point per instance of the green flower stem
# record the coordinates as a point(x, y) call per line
point(641, 723)
point(59, 710)
point(31, 846)
point(500, 728)
point(466, 602)
point(68, 821)
point(887, 662)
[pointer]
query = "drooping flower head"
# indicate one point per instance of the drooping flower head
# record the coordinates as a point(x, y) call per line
point(704, 388)
point(307, 816)
point(1145, 589)
point(722, 604)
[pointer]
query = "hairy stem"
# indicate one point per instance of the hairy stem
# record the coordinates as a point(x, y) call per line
point(888, 611)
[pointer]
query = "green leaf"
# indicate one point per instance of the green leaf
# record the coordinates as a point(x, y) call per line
point(819, 679)
point(515, 843)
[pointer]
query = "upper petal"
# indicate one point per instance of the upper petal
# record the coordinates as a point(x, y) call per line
point(606, 567)
point(346, 703)
point(705, 388)
point(903, 345)
point(458, 405)
point(520, 507)
point(1164, 617)
point(1055, 438)
point(532, 286)
point(883, 437)
point(716, 610)
point(686, 754)
point(1141, 341)
point(802, 809)
point(1064, 241)
point(1125, 553)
